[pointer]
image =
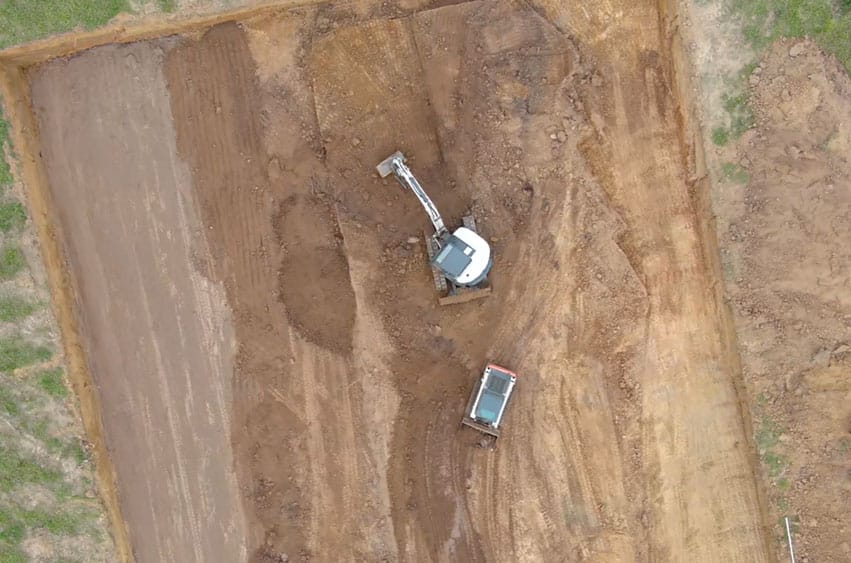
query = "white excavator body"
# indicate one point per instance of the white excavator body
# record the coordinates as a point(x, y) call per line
point(461, 258)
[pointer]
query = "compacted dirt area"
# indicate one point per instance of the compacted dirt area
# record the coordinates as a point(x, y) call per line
point(158, 333)
point(278, 380)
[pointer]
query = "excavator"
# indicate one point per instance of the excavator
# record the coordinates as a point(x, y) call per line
point(460, 260)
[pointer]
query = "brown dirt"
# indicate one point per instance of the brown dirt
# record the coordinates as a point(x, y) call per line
point(784, 237)
point(157, 335)
point(246, 197)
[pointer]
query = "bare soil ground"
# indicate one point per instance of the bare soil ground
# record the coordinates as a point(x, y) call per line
point(157, 332)
point(784, 237)
point(277, 378)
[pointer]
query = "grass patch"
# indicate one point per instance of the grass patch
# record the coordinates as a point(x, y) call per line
point(767, 438)
point(8, 403)
point(12, 261)
point(720, 136)
point(61, 524)
point(77, 452)
point(15, 521)
point(13, 215)
point(14, 308)
point(740, 112)
point(26, 20)
point(740, 116)
point(12, 555)
point(16, 470)
point(5, 171)
point(168, 5)
point(828, 22)
point(52, 383)
point(15, 352)
point(734, 173)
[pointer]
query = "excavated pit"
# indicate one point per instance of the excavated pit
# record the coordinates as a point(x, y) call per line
point(257, 345)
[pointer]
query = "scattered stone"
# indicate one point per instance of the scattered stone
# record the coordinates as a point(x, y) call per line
point(822, 359)
point(796, 49)
point(355, 142)
point(413, 240)
point(562, 137)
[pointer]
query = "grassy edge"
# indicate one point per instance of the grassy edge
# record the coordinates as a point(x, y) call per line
point(828, 22)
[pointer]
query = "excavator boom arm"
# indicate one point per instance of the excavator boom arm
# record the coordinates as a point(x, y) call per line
point(396, 164)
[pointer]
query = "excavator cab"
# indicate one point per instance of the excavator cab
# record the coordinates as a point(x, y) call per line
point(460, 261)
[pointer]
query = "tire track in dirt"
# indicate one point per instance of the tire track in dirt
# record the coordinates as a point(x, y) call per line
point(215, 102)
point(693, 445)
point(312, 469)
point(512, 125)
point(367, 78)
point(158, 335)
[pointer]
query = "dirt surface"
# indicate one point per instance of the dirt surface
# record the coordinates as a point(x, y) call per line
point(308, 354)
point(784, 235)
point(158, 334)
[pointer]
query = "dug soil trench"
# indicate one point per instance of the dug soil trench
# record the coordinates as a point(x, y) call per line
point(297, 390)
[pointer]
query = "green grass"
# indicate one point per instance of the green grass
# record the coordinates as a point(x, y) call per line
point(8, 403)
point(735, 173)
point(62, 523)
point(16, 470)
point(13, 215)
point(5, 171)
point(26, 20)
point(740, 116)
point(13, 555)
point(11, 531)
point(828, 22)
point(14, 308)
point(52, 383)
point(168, 5)
point(720, 136)
point(16, 520)
point(767, 438)
point(15, 352)
point(740, 112)
point(12, 261)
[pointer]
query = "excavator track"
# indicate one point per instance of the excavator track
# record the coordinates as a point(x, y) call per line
point(431, 249)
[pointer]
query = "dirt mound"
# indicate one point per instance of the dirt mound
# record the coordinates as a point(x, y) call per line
point(315, 288)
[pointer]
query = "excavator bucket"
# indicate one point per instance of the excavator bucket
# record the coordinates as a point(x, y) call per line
point(384, 168)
